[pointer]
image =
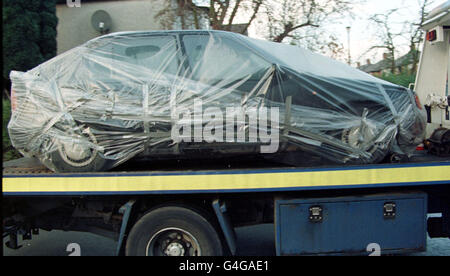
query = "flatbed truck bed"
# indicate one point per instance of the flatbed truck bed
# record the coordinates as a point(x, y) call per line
point(27, 176)
point(126, 203)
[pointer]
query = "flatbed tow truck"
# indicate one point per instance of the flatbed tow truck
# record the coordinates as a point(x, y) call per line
point(194, 210)
point(191, 207)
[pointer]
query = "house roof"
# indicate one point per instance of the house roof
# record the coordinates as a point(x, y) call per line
point(386, 63)
point(370, 68)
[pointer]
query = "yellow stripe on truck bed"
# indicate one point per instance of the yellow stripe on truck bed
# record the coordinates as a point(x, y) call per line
point(226, 181)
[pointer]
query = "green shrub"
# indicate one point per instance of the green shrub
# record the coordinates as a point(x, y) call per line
point(29, 34)
point(403, 79)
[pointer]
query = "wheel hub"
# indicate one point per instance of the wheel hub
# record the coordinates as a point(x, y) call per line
point(173, 242)
point(78, 154)
point(174, 249)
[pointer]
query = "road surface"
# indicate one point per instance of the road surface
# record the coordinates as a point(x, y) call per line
point(252, 241)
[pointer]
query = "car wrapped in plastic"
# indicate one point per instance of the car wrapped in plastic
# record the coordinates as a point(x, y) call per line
point(189, 94)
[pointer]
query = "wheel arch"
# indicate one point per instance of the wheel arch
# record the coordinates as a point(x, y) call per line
point(199, 205)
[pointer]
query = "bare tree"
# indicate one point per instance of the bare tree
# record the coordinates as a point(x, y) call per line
point(283, 19)
point(222, 13)
point(333, 48)
point(287, 17)
point(185, 12)
point(386, 35)
point(411, 32)
point(415, 34)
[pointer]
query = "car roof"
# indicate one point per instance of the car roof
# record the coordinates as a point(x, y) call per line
point(156, 32)
point(293, 57)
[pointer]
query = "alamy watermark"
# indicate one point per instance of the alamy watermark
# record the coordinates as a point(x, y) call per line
point(231, 125)
point(74, 249)
point(374, 249)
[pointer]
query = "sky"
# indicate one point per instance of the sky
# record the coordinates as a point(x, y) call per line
point(363, 33)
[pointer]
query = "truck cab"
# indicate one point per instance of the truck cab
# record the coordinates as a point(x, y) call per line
point(432, 77)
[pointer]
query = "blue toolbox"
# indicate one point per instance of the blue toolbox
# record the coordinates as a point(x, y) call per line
point(362, 225)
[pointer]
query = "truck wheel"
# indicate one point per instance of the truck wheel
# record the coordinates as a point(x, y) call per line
point(173, 231)
point(70, 157)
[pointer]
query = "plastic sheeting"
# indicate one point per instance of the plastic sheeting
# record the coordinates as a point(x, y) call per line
point(187, 93)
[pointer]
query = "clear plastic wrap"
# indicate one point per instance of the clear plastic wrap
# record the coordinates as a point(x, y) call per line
point(184, 93)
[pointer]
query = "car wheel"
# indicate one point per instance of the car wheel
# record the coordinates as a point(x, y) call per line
point(173, 231)
point(75, 157)
point(355, 139)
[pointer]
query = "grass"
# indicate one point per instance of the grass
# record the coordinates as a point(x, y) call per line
point(9, 152)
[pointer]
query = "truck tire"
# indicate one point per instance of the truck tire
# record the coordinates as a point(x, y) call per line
point(173, 231)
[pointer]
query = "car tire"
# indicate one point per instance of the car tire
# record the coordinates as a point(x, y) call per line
point(377, 154)
point(62, 161)
point(173, 231)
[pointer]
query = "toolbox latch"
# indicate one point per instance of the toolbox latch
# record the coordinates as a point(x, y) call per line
point(389, 210)
point(315, 214)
